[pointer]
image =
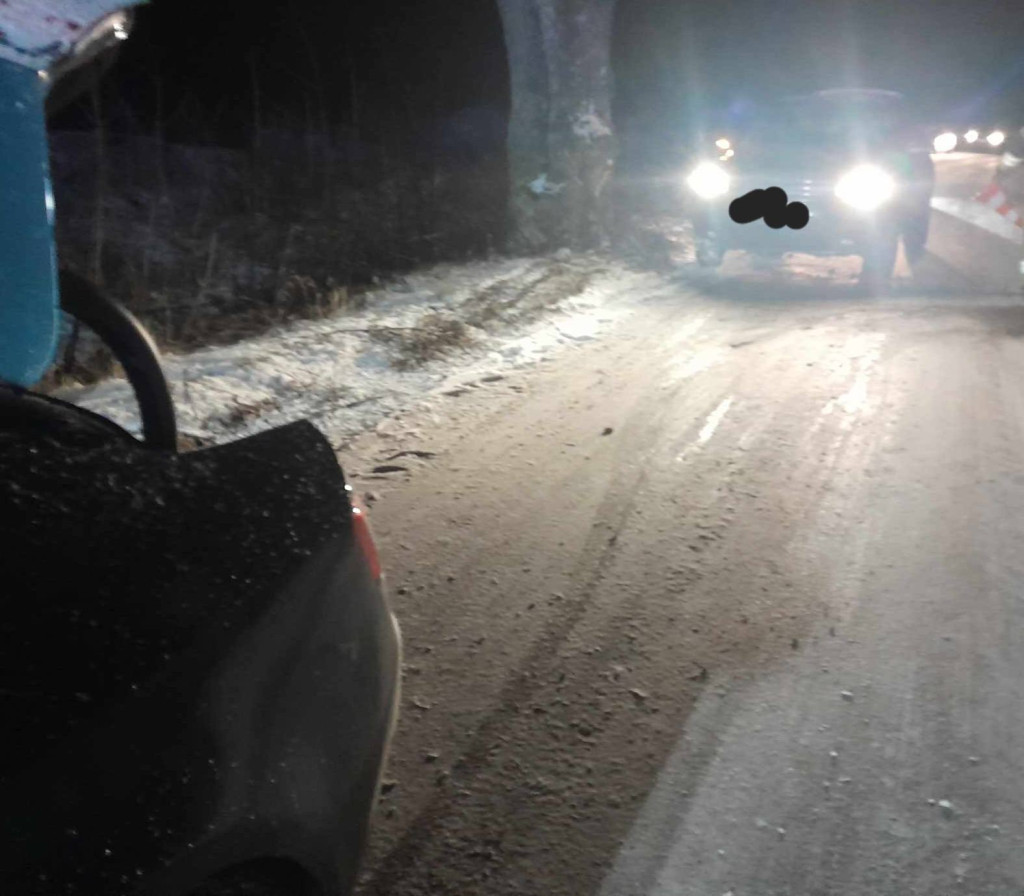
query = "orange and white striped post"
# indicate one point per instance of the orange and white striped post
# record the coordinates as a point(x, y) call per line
point(1005, 195)
point(994, 197)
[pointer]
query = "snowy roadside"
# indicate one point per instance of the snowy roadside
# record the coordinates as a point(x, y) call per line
point(350, 372)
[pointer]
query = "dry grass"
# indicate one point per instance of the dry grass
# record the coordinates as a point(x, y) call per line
point(509, 302)
point(434, 336)
point(518, 302)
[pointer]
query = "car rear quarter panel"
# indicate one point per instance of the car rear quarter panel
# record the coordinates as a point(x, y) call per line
point(197, 666)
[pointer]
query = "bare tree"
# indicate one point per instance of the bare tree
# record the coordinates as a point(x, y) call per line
point(561, 144)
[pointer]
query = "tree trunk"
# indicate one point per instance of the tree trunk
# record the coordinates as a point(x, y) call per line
point(561, 145)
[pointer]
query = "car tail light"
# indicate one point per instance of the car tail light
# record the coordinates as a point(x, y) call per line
point(364, 539)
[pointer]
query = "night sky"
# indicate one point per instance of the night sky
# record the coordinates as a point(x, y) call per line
point(413, 61)
point(950, 57)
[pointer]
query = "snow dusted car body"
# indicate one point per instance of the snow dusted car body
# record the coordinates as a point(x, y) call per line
point(198, 667)
point(847, 155)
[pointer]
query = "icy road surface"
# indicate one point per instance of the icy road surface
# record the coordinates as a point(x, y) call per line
point(729, 600)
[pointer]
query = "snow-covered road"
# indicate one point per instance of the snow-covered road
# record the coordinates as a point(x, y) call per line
point(727, 600)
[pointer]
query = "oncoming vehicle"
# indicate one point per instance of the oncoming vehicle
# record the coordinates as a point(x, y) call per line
point(198, 667)
point(848, 155)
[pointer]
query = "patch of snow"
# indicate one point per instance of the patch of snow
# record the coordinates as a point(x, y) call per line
point(589, 125)
point(541, 186)
point(336, 374)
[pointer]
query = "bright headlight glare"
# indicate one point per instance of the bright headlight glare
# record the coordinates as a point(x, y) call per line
point(971, 135)
point(996, 138)
point(865, 187)
point(723, 144)
point(708, 180)
point(945, 142)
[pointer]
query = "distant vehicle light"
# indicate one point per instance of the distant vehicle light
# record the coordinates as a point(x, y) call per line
point(728, 154)
point(996, 138)
point(865, 187)
point(708, 180)
point(945, 142)
point(723, 144)
point(971, 136)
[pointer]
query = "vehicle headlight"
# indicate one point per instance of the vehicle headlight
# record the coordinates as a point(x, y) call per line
point(996, 138)
point(971, 136)
point(865, 187)
point(723, 144)
point(708, 180)
point(945, 142)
